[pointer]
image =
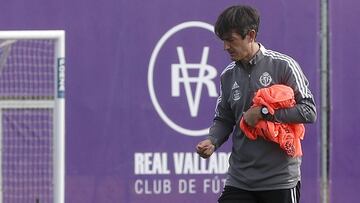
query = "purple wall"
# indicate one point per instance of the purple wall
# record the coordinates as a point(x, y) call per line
point(109, 113)
point(345, 110)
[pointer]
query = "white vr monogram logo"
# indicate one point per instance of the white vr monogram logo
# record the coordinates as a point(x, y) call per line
point(182, 69)
point(180, 75)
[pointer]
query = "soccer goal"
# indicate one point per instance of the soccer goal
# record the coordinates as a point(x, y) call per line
point(32, 116)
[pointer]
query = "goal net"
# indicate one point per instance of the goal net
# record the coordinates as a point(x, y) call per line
point(32, 116)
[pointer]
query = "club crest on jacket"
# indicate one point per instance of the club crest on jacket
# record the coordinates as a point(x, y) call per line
point(265, 79)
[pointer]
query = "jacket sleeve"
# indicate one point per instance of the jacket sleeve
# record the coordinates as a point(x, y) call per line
point(305, 110)
point(223, 122)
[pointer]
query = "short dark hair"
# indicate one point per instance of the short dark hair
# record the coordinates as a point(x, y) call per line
point(240, 18)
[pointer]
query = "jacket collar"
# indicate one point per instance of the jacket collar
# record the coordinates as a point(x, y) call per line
point(256, 58)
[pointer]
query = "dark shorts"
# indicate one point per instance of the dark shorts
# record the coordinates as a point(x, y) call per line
point(236, 195)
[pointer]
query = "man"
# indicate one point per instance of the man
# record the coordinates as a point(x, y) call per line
point(259, 171)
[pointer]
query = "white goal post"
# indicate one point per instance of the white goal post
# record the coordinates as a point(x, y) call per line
point(32, 116)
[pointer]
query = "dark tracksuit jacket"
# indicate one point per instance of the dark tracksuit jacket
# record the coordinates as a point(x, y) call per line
point(259, 164)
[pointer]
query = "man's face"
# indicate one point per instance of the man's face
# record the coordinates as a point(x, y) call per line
point(237, 47)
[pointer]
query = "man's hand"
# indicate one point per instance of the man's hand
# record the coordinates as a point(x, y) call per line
point(252, 116)
point(205, 148)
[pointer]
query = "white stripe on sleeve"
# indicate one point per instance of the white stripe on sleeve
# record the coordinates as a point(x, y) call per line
point(294, 66)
